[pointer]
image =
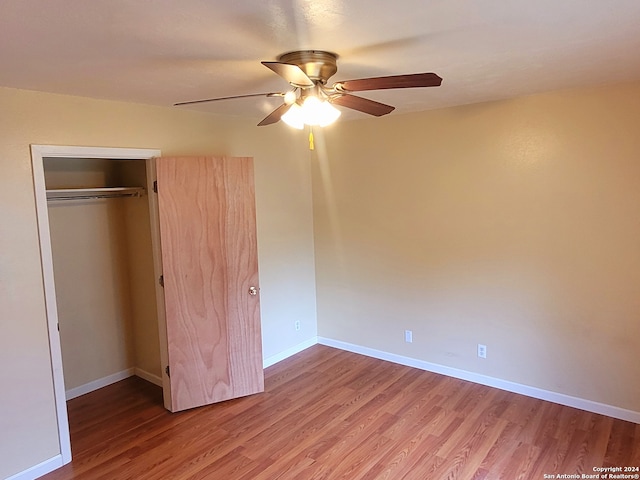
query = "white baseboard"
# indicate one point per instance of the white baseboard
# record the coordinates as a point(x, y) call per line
point(278, 357)
point(38, 470)
point(560, 398)
point(99, 383)
point(149, 377)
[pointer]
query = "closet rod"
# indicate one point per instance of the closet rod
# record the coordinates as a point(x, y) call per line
point(93, 193)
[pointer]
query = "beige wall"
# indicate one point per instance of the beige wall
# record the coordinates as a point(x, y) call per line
point(90, 252)
point(285, 244)
point(515, 224)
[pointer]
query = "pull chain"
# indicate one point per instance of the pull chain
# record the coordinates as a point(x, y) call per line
point(311, 145)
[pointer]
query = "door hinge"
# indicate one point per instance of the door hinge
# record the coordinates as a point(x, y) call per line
point(167, 371)
point(161, 281)
point(155, 186)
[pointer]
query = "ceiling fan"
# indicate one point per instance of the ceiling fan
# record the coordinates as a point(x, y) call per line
point(311, 100)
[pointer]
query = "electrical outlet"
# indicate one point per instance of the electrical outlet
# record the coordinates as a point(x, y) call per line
point(482, 351)
point(408, 336)
point(297, 325)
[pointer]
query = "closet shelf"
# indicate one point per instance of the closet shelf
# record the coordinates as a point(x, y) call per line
point(93, 193)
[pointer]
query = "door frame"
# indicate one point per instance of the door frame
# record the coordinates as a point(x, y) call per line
point(38, 154)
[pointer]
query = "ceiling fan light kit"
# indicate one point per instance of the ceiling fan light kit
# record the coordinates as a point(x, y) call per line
point(312, 112)
point(311, 102)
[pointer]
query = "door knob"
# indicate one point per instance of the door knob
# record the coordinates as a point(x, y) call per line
point(253, 291)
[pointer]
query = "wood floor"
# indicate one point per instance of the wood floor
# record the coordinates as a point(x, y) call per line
point(329, 414)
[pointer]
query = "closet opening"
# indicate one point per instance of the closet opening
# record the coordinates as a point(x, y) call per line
point(98, 234)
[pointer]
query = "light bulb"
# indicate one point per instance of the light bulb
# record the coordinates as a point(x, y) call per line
point(294, 117)
point(290, 97)
point(317, 112)
point(312, 112)
point(328, 114)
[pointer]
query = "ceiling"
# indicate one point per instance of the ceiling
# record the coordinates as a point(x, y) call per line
point(165, 51)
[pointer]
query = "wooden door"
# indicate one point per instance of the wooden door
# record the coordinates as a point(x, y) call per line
point(210, 270)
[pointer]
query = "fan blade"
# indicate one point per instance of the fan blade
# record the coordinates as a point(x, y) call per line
point(275, 116)
point(362, 105)
point(229, 98)
point(291, 73)
point(395, 81)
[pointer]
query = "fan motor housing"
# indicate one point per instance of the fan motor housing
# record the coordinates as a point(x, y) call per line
point(318, 65)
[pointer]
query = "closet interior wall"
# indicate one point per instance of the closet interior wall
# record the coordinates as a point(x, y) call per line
point(104, 276)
